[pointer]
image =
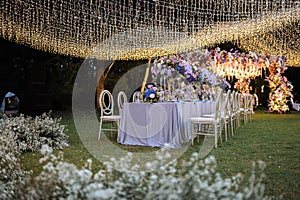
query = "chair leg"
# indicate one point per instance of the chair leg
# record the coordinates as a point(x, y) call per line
point(238, 120)
point(225, 122)
point(216, 136)
point(111, 128)
point(199, 130)
point(118, 125)
point(220, 130)
point(231, 126)
point(221, 127)
point(193, 133)
point(100, 129)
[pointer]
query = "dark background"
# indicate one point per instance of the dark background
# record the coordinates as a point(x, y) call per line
point(44, 81)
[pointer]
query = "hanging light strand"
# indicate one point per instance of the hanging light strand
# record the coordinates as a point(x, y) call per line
point(139, 29)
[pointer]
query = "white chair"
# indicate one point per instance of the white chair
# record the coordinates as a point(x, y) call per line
point(296, 106)
point(255, 103)
point(106, 112)
point(136, 96)
point(235, 116)
point(122, 98)
point(246, 110)
point(250, 107)
point(238, 105)
point(225, 112)
point(208, 126)
point(231, 111)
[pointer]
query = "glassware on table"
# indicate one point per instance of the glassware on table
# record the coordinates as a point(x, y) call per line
point(137, 97)
point(161, 96)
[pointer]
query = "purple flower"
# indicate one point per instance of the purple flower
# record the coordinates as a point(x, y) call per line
point(180, 69)
point(190, 78)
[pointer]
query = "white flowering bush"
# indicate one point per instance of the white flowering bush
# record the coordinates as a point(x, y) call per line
point(11, 173)
point(19, 134)
point(31, 133)
point(194, 179)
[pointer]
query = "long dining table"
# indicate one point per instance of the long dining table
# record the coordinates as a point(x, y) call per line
point(160, 124)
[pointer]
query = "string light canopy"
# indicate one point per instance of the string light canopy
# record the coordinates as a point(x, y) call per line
point(142, 29)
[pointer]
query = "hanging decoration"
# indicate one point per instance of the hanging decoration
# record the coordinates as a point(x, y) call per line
point(143, 29)
point(242, 66)
point(197, 73)
point(280, 87)
point(239, 65)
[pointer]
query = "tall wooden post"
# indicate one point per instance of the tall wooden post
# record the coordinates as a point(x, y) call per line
point(146, 76)
point(101, 79)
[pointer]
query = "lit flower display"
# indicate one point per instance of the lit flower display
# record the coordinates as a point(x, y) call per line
point(280, 87)
point(242, 85)
point(188, 76)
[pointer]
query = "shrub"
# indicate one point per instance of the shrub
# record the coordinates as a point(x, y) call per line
point(195, 179)
point(19, 134)
point(31, 133)
point(10, 169)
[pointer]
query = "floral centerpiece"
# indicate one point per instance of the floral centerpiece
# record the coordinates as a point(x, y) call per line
point(151, 93)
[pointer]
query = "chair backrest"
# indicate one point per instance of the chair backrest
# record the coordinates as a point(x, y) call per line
point(237, 101)
point(255, 100)
point(232, 99)
point(218, 107)
point(245, 102)
point(122, 98)
point(136, 96)
point(292, 101)
point(227, 103)
point(215, 93)
point(106, 103)
point(250, 101)
point(247, 98)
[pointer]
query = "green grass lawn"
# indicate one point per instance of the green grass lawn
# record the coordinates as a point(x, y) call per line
point(272, 138)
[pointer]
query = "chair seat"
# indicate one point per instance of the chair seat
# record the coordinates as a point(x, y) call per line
point(111, 117)
point(203, 119)
point(209, 115)
point(223, 115)
point(243, 110)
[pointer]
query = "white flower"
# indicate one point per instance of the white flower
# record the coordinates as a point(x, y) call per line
point(46, 149)
point(152, 95)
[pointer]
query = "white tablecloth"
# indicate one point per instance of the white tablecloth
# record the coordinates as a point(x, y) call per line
point(159, 124)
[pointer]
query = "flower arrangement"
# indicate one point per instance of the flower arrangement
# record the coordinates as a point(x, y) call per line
point(164, 67)
point(242, 85)
point(189, 74)
point(208, 69)
point(280, 87)
point(150, 93)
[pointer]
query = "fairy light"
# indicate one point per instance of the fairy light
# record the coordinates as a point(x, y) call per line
point(142, 29)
